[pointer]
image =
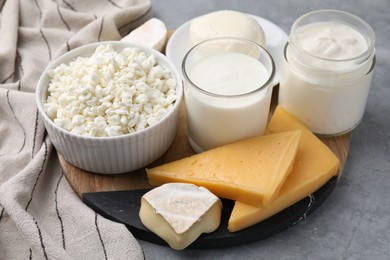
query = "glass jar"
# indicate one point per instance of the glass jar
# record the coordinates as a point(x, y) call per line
point(323, 83)
point(227, 88)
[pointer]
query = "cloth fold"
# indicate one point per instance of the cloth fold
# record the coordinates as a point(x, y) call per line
point(41, 217)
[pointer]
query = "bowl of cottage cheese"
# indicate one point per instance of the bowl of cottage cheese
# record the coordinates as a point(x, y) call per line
point(110, 107)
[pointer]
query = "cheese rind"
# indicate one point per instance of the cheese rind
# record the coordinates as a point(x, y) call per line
point(251, 170)
point(179, 213)
point(314, 165)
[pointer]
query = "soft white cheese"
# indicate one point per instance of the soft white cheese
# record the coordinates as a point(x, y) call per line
point(226, 23)
point(180, 212)
point(110, 93)
point(153, 33)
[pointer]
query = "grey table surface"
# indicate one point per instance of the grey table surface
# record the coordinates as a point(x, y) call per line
point(354, 222)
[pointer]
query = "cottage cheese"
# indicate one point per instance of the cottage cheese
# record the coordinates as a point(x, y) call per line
point(110, 93)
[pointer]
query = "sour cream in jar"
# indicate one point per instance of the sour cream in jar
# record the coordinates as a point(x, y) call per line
point(327, 71)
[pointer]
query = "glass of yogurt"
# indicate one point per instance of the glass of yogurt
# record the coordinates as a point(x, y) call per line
point(228, 86)
point(327, 71)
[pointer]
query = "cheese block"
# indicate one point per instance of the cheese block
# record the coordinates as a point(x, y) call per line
point(153, 33)
point(251, 170)
point(180, 212)
point(314, 165)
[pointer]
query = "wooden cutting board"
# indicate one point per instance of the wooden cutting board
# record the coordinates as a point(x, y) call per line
point(84, 181)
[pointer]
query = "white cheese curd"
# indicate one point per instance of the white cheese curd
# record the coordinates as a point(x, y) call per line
point(109, 93)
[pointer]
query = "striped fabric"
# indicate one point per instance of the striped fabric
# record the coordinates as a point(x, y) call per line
point(40, 215)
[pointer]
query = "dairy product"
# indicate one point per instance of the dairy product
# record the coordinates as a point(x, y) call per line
point(331, 40)
point(109, 93)
point(152, 33)
point(229, 74)
point(227, 95)
point(226, 23)
point(251, 170)
point(224, 120)
point(327, 71)
point(325, 111)
point(314, 165)
point(179, 213)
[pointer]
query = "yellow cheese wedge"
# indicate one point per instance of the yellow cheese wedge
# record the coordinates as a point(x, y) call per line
point(252, 170)
point(314, 165)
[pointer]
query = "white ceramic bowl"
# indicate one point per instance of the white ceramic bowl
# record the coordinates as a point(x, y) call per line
point(117, 154)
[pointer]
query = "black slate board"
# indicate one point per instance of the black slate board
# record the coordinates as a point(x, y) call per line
point(124, 206)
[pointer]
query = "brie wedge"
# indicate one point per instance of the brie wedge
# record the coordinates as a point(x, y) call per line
point(179, 213)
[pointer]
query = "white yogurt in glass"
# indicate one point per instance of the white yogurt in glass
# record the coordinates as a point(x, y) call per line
point(327, 71)
point(227, 92)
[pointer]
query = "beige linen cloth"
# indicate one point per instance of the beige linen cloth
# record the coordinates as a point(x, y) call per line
point(40, 215)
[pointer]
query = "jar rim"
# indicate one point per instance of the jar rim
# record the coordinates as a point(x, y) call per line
point(266, 85)
point(331, 77)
